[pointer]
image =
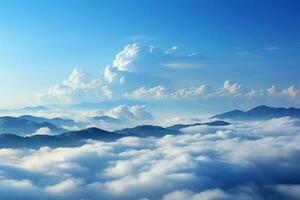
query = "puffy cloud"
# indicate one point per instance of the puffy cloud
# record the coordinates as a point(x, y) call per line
point(272, 90)
point(111, 74)
point(162, 93)
point(77, 88)
point(130, 113)
point(66, 188)
point(155, 93)
point(291, 91)
point(138, 59)
point(231, 88)
point(43, 131)
point(215, 194)
point(125, 60)
point(230, 162)
point(191, 92)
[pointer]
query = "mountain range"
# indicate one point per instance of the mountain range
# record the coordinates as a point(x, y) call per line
point(75, 138)
point(214, 123)
point(59, 122)
point(260, 113)
point(25, 109)
point(24, 127)
point(15, 130)
point(72, 138)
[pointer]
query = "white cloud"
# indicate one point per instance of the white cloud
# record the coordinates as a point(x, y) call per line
point(130, 113)
point(156, 93)
point(231, 88)
point(67, 188)
point(215, 194)
point(125, 60)
point(162, 93)
point(191, 92)
point(111, 74)
point(291, 91)
point(77, 88)
point(200, 92)
point(143, 60)
point(272, 90)
point(43, 131)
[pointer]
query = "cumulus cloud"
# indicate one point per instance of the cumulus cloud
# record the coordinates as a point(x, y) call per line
point(191, 92)
point(120, 117)
point(138, 59)
point(130, 113)
point(77, 88)
point(111, 74)
point(291, 91)
point(43, 131)
point(163, 93)
point(255, 160)
point(143, 93)
point(229, 90)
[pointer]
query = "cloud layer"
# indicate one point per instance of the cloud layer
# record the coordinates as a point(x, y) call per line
point(229, 90)
point(257, 160)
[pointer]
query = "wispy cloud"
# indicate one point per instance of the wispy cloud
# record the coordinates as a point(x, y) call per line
point(272, 48)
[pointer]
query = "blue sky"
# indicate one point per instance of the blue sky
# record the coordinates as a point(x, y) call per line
point(253, 44)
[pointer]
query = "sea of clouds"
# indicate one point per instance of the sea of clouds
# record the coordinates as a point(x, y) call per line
point(249, 160)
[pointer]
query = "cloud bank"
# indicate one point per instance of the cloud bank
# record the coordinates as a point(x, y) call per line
point(255, 160)
point(229, 90)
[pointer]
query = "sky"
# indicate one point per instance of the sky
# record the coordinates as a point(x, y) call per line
point(178, 56)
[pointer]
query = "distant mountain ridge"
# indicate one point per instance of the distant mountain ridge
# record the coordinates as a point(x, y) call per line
point(147, 130)
point(260, 113)
point(59, 122)
point(72, 138)
point(26, 109)
point(76, 138)
point(214, 123)
point(24, 127)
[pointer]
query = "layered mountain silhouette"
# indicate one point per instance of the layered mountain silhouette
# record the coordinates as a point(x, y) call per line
point(25, 109)
point(76, 138)
point(72, 138)
point(147, 130)
point(59, 122)
point(214, 123)
point(260, 113)
point(24, 127)
point(13, 130)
